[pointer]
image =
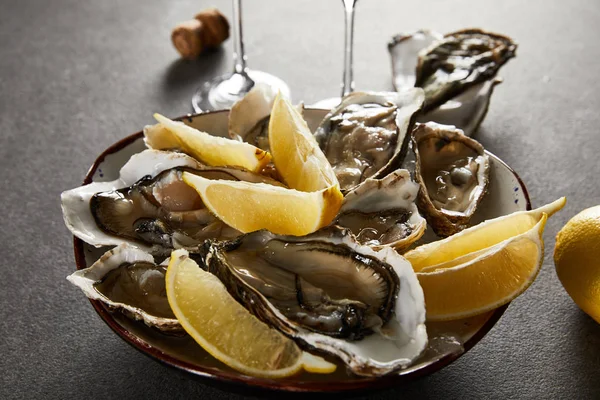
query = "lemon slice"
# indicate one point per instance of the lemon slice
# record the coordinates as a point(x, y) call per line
point(226, 330)
point(577, 260)
point(211, 150)
point(296, 153)
point(248, 207)
point(483, 267)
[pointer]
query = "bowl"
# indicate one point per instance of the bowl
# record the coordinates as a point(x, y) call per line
point(447, 340)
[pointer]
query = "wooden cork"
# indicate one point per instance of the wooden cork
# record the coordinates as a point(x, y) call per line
point(208, 30)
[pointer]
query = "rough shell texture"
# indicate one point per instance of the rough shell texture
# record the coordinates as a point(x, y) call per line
point(465, 110)
point(462, 59)
point(438, 148)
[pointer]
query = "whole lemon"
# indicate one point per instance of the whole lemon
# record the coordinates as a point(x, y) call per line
point(577, 260)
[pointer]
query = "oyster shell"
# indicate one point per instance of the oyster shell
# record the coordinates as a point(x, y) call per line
point(383, 212)
point(149, 206)
point(126, 278)
point(366, 135)
point(249, 117)
point(453, 172)
point(328, 293)
point(162, 211)
point(75, 203)
point(404, 52)
point(462, 59)
point(466, 108)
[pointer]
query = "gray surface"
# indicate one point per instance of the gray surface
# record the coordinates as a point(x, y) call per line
point(75, 76)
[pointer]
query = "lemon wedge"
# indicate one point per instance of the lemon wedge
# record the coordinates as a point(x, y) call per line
point(483, 267)
point(209, 149)
point(296, 154)
point(248, 207)
point(226, 330)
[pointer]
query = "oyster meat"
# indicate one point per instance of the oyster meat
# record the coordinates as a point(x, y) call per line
point(383, 212)
point(328, 293)
point(366, 135)
point(453, 172)
point(126, 278)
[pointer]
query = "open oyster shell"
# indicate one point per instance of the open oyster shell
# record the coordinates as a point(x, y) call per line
point(366, 135)
point(453, 172)
point(249, 117)
point(126, 278)
point(328, 293)
point(454, 94)
point(75, 203)
point(149, 205)
point(383, 212)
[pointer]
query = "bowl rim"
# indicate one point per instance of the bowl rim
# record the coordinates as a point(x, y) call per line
point(232, 378)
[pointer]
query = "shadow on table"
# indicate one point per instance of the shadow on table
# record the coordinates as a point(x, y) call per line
point(182, 74)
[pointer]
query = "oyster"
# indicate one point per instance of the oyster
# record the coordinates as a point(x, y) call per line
point(453, 172)
point(467, 106)
point(462, 59)
point(366, 135)
point(161, 211)
point(328, 293)
point(383, 212)
point(149, 205)
point(404, 51)
point(126, 278)
point(249, 117)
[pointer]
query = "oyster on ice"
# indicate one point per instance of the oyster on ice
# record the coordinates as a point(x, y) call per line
point(328, 293)
point(149, 205)
point(126, 278)
point(366, 136)
point(453, 172)
point(383, 212)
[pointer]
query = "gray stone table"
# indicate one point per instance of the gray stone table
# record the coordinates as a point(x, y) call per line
point(78, 75)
